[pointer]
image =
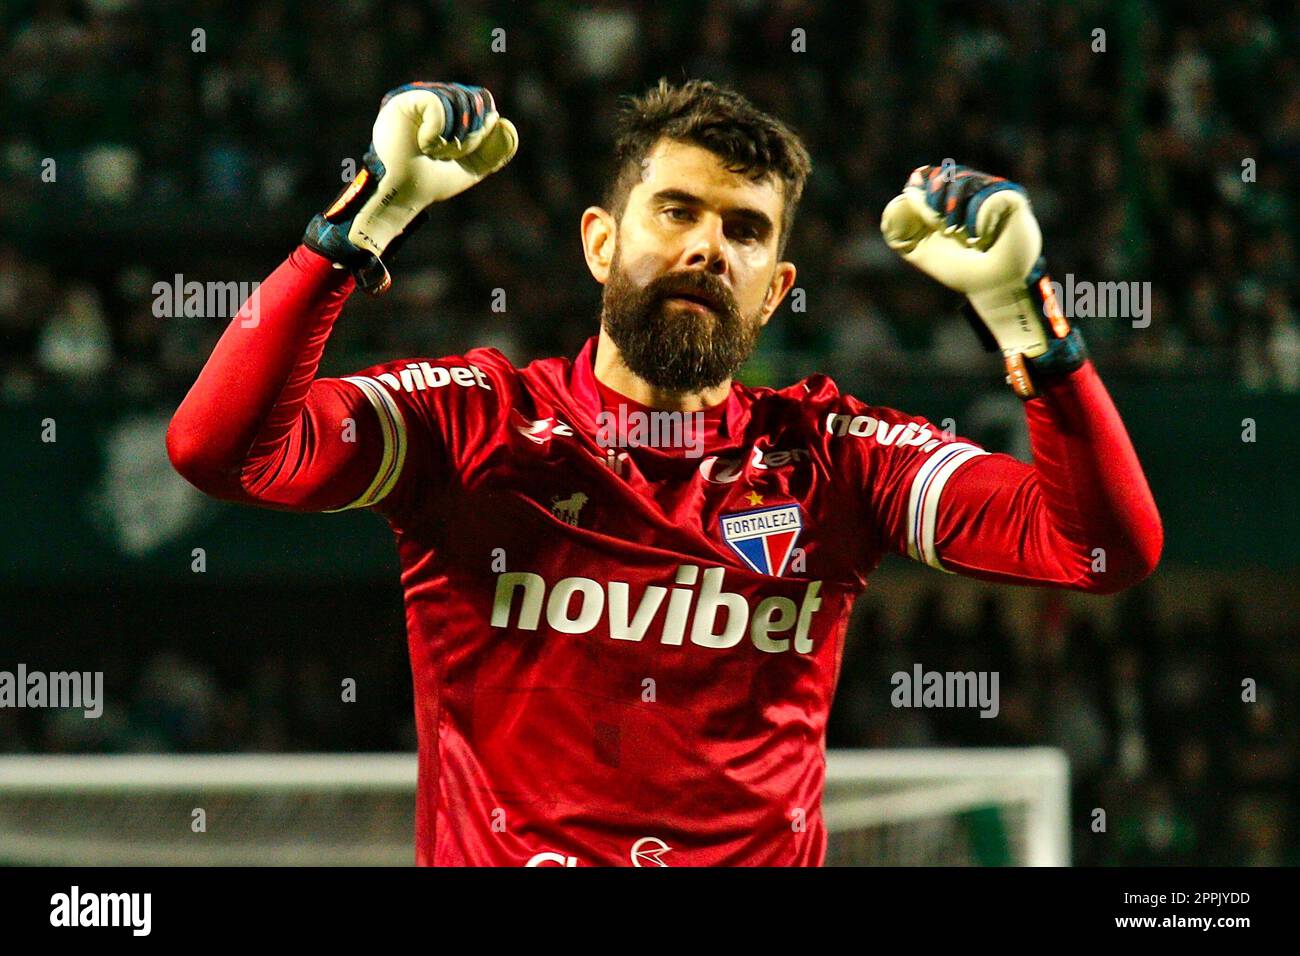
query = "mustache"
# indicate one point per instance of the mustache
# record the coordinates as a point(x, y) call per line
point(701, 286)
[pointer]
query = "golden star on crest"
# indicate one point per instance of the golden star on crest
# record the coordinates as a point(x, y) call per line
point(754, 498)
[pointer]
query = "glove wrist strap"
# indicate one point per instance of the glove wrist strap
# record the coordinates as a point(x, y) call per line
point(1025, 323)
point(328, 232)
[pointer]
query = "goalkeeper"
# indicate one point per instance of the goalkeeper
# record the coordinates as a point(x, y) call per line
point(625, 653)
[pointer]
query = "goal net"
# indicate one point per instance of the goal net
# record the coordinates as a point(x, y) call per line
point(890, 808)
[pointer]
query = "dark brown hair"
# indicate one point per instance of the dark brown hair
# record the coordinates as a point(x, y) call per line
point(746, 139)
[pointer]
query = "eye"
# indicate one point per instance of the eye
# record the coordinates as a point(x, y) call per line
point(745, 233)
point(678, 213)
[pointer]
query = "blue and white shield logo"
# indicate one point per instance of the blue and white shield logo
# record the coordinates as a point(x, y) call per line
point(765, 537)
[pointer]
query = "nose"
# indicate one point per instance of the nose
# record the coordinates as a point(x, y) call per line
point(706, 247)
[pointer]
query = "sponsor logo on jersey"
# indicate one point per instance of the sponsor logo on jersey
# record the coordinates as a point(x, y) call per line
point(420, 377)
point(576, 605)
point(649, 851)
point(724, 469)
point(550, 858)
point(898, 434)
point(764, 538)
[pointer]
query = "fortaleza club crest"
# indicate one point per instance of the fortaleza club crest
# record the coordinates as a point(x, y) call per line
point(764, 537)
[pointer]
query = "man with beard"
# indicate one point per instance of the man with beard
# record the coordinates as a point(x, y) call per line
point(626, 654)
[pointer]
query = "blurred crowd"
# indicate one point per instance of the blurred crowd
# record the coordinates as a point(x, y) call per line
point(145, 139)
point(1151, 714)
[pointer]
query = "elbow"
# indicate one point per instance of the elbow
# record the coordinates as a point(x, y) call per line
point(1124, 565)
point(191, 456)
point(1153, 545)
point(185, 454)
point(1146, 546)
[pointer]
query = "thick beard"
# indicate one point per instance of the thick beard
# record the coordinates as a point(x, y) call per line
point(671, 347)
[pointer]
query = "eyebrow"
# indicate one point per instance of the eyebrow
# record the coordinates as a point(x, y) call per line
point(755, 217)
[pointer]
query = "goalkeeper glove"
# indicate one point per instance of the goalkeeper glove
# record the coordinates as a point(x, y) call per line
point(977, 235)
point(430, 142)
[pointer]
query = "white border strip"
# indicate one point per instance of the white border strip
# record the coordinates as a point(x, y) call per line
point(923, 501)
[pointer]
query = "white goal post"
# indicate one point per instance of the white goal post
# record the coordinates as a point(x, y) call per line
point(948, 807)
point(885, 807)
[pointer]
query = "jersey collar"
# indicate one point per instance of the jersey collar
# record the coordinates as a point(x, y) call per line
point(582, 386)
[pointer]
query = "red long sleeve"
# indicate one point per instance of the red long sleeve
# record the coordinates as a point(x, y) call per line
point(1081, 517)
point(257, 426)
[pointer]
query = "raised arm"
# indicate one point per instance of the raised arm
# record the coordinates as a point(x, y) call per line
point(1082, 515)
point(258, 426)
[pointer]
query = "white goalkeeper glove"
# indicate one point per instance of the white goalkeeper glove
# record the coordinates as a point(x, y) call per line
point(430, 142)
point(976, 234)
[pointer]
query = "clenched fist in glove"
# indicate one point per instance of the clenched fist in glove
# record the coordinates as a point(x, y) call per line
point(977, 235)
point(430, 142)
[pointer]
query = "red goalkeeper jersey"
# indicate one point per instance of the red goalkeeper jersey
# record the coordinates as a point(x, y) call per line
point(626, 654)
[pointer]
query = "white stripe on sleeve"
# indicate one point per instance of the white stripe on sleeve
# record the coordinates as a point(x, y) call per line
point(923, 502)
point(393, 428)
